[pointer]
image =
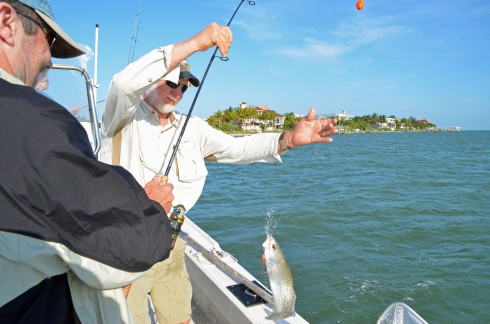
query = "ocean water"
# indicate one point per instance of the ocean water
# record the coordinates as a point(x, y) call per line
point(366, 221)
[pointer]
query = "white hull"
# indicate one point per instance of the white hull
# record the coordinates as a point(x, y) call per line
point(212, 301)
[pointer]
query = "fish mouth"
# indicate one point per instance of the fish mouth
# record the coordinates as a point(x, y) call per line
point(267, 242)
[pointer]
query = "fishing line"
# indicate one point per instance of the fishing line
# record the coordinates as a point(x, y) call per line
point(276, 222)
point(223, 58)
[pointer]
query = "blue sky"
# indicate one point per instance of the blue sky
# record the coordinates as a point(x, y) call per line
point(426, 59)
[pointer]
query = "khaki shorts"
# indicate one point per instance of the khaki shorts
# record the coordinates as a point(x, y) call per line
point(169, 287)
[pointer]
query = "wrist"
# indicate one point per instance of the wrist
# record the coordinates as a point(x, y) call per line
point(283, 143)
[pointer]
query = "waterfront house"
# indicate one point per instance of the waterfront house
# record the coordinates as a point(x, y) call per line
point(258, 123)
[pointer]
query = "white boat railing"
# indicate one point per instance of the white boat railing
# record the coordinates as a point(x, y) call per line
point(91, 103)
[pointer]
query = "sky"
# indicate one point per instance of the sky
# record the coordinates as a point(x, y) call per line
point(407, 58)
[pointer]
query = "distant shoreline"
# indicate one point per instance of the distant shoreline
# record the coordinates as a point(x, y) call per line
point(364, 132)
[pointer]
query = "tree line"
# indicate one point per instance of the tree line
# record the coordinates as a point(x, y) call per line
point(371, 122)
point(231, 120)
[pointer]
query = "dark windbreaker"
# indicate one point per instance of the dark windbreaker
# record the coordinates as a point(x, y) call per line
point(53, 188)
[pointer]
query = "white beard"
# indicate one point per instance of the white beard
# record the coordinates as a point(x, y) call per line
point(166, 109)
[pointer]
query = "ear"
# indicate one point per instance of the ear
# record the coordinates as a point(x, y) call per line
point(8, 25)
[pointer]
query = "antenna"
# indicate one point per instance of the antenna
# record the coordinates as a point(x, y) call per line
point(96, 56)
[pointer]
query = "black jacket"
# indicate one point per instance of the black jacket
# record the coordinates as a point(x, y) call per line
point(53, 188)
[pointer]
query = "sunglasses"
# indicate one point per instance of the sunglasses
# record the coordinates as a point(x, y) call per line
point(175, 85)
point(51, 36)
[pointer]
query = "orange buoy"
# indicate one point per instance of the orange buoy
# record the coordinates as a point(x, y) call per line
point(360, 4)
point(263, 260)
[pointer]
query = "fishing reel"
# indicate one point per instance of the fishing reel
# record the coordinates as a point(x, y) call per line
point(176, 218)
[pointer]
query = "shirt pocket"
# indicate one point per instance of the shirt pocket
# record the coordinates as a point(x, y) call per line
point(190, 162)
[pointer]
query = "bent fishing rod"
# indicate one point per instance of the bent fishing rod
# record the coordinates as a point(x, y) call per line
point(177, 215)
point(176, 146)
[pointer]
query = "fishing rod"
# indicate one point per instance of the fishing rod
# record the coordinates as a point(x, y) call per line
point(134, 38)
point(223, 58)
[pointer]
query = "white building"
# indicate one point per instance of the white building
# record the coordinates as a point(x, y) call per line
point(339, 116)
point(257, 124)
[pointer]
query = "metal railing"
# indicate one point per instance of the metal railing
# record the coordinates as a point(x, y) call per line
point(91, 103)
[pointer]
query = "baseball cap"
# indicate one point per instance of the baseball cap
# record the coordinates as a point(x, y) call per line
point(64, 46)
point(185, 73)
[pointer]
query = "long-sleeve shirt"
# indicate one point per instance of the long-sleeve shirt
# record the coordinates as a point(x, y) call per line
point(146, 146)
point(64, 212)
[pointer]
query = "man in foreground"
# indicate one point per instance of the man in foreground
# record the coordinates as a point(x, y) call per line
point(73, 230)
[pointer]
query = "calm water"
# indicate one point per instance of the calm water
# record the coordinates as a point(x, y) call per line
point(365, 221)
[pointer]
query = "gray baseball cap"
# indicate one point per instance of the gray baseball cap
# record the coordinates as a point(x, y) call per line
point(64, 46)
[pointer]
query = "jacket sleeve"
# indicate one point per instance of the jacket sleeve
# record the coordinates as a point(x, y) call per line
point(37, 259)
point(128, 85)
point(54, 189)
point(221, 147)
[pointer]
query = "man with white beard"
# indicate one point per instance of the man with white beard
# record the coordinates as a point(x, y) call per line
point(139, 131)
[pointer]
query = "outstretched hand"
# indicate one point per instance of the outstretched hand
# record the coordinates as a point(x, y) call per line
point(309, 130)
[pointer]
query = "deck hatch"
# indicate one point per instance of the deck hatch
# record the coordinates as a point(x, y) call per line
point(246, 296)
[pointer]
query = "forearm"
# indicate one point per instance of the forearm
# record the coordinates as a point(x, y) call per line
point(183, 50)
point(248, 149)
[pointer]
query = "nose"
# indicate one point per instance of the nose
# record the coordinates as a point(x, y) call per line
point(177, 93)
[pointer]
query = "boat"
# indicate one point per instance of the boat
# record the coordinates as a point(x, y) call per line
point(223, 290)
point(400, 313)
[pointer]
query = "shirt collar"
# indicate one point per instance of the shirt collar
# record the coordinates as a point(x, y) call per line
point(10, 78)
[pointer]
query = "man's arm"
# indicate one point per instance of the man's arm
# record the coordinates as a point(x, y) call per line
point(58, 190)
point(128, 85)
point(220, 147)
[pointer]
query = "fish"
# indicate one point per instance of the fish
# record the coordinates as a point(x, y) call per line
point(280, 280)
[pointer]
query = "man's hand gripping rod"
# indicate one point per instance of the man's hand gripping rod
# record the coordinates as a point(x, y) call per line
point(176, 146)
point(176, 218)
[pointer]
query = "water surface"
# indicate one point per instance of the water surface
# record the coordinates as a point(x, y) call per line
point(365, 221)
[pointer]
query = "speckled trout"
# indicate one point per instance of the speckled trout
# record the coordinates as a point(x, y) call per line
point(280, 280)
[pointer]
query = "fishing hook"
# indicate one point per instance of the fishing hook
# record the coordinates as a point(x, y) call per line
point(223, 58)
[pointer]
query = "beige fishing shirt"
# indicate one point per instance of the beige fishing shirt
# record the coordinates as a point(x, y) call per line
point(146, 146)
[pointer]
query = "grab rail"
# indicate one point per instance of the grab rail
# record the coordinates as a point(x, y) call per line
point(91, 103)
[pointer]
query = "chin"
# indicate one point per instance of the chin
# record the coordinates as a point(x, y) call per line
point(166, 109)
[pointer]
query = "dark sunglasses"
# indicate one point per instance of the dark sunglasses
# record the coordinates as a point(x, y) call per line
point(51, 36)
point(175, 86)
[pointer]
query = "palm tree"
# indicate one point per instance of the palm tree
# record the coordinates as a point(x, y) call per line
point(230, 115)
point(215, 120)
point(290, 120)
point(268, 118)
point(244, 114)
